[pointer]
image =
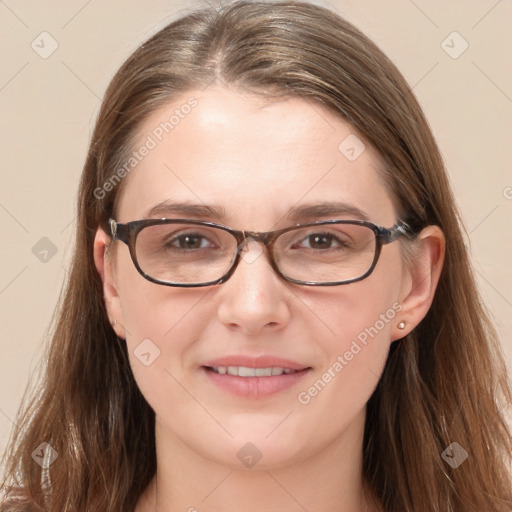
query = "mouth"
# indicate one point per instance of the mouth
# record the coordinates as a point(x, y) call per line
point(244, 371)
point(255, 378)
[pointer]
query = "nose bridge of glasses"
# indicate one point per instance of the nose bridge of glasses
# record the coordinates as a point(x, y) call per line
point(263, 238)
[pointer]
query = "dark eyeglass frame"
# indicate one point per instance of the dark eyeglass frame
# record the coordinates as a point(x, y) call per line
point(128, 233)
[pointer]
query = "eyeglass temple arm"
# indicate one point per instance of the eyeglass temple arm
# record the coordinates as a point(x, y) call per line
point(113, 228)
point(118, 231)
point(402, 229)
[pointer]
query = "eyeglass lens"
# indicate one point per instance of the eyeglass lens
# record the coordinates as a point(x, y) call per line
point(192, 254)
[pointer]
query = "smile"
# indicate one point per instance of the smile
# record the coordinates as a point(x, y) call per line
point(244, 371)
point(253, 383)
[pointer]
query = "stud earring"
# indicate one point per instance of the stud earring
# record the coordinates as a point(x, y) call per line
point(401, 325)
point(114, 322)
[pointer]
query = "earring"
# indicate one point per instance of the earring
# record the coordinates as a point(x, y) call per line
point(401, 325)
point(114, 322)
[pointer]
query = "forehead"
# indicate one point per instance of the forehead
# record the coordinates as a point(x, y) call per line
point(254, 158)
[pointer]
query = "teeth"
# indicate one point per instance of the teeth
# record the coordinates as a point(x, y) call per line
point(232, 370)
point(263, 372)
point(243, 371)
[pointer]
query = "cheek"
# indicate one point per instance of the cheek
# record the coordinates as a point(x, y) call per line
point(355, 357)
point(161, 323)
point(354, 362)
point(162, 331)
point(360, 318)
point(150, 310)
point(363, 311)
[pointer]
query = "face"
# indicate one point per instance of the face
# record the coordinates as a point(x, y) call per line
point(257, 160)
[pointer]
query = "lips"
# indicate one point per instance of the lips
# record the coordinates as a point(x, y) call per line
point(244, 371)
point(255, 362)
point(254, 377)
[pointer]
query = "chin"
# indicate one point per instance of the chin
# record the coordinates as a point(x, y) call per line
point(254, 451)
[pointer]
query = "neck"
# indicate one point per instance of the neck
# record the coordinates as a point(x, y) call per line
point(327, 481)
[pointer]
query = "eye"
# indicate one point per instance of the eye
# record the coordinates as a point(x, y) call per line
point(322, 241)
point(189, 241)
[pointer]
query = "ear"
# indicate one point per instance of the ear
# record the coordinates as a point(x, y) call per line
point(420, 281)
point(103, 262)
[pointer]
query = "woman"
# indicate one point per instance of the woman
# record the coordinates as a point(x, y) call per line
point(270, 303)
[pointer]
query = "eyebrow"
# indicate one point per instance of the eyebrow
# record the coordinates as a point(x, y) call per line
point(187, 209)
point(304, 212)
point(326, 209)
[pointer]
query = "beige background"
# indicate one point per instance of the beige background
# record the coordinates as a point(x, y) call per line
point(49, 107)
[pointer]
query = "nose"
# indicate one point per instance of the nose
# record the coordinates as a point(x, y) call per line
point(254, 299)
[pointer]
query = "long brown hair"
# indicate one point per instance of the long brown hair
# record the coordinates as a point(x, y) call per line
point(442, 383)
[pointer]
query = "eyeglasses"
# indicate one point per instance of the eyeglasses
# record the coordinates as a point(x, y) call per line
point(190, 253)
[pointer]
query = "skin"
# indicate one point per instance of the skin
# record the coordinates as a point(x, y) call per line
point(258, 159)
